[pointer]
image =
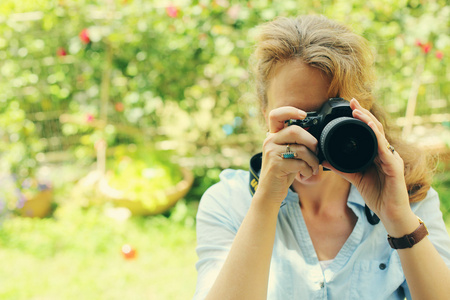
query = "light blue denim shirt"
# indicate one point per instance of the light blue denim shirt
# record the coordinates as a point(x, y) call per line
point(365, 268)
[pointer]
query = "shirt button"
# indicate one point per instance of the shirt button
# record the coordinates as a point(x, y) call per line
point(382, 266)
point(322, 284)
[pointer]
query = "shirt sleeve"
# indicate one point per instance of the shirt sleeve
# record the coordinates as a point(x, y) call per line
point(216, 228)
point(429, 211)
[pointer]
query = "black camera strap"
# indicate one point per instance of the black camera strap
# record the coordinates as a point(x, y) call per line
point(255, 168)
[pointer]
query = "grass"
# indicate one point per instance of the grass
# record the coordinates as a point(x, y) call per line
point(77, 253)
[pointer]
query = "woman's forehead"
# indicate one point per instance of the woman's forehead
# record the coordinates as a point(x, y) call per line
point(296, 84)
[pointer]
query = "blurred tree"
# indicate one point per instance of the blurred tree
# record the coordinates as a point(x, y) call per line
point(133, 71)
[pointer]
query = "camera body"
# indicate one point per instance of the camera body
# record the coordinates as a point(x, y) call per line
point(348, 144)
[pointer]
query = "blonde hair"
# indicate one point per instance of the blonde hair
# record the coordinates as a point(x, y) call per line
point(347, 60)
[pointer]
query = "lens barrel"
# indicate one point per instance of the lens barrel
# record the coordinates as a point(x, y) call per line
point(348, 144)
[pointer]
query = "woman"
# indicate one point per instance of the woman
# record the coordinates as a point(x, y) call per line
point(305, 232)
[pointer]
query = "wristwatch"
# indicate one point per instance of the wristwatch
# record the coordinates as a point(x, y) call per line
point(409, 240)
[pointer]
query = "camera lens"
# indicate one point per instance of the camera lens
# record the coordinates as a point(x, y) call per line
point(348, 144)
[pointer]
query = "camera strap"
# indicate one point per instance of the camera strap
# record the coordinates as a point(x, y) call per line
point(255, 168)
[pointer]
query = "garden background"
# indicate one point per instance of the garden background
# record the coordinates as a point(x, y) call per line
point(108, 100)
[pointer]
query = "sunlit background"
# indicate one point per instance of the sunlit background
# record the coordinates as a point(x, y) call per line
point(116, 115)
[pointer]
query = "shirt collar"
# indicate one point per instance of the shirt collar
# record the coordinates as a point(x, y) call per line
point(354, 197)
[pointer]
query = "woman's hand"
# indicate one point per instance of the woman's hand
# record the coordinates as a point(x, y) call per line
point(277, 173)
point(382, 185)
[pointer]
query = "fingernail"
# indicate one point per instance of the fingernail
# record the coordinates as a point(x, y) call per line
point(302, 113)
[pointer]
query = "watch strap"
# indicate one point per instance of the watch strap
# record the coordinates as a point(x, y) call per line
point(409, 240)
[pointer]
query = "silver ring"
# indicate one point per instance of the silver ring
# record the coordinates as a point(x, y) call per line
point(288, 154)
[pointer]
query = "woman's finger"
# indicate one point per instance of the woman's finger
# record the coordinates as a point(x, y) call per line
point(364, 115)
point(301, 152)
point(286, 168)
point(294, 135)
point(300, 166)
point(291, 159)
point(353, 178)
point(279, 116)
point(385, 151)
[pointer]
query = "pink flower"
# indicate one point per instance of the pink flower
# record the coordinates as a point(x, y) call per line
point(419, 43)
point(439, 55)
point(89, 118)
point(61, 52)
point(172, 11)
point(84, 36)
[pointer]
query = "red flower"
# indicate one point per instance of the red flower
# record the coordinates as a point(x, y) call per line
point(426, 48)
point(61, 52)
point(419, 43)
point(439, 55)
point(84, 36)
point(172, 11)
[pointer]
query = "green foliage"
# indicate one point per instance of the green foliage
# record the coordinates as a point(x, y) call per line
point(143, 174)
point(179, 71)
point(20, 144)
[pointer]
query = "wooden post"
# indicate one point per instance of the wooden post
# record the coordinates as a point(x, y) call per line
point(412, 101)
point(104, 100)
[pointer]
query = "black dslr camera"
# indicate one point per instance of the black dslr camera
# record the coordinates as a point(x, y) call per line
point(348, 144)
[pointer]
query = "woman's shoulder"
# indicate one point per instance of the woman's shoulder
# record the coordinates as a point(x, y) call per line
point(234, 175)
point(429, 209)
point(231, 195)
point(430, 203)
point(230, 181)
